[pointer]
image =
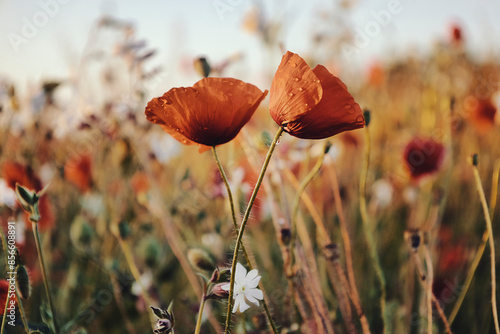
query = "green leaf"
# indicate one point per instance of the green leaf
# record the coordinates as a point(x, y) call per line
point(157, 311)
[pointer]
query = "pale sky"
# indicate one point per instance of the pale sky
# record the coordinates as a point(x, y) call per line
point(213, 28)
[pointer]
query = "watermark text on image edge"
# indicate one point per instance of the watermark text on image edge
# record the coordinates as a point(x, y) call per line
point(31, 25)
point(11, 273)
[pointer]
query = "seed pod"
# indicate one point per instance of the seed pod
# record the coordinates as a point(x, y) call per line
point(23, 282)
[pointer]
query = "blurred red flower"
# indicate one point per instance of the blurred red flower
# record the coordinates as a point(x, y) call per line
point(4, 290)
point(423, 157)
point(483, 114)
point(456, 34)
point(210, 113)
point(311, 104)
point(13, 173)
point(78, 170)
point(376, 75)
point(139, 182)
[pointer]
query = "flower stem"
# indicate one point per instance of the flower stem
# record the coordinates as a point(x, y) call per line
point(235, 224)
point(44, 276)
point(481, 248)
point(244, 222)
point(366, 227)
point(428, 288)
point(296, 201)
point(422, 277)
point(200, 312)
point(492, 246)
point(135, 272)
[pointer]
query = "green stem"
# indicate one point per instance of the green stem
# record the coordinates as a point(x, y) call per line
point(235, 224)
point(137, 275)
point(244, 222)
point(4, 245)
point(366, 227)
point(44, 276)
point(200, 312)
point(492, 247)
point(22, 313)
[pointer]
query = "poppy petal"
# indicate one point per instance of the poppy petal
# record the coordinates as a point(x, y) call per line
point(210, 113)
point(337, 112)
point(295, 89)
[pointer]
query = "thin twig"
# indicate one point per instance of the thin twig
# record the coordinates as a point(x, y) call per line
point(491, 242)
point(423, 278)
point(348, 252)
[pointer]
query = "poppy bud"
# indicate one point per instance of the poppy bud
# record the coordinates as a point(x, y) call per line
point(366, 115)
point(286, 236)
point(413, 238)
point(202, 66)
point(331, 252)
point(124, 228)
point(474, 159)
point(200, 259)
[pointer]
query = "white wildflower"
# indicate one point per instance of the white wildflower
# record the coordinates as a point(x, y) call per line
point(245, 288)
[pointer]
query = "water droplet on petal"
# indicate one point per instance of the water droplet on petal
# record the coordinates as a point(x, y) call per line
point(293, 64)
point(290, 94)
point(296, 79)
point(301, 89)
point(306, 104)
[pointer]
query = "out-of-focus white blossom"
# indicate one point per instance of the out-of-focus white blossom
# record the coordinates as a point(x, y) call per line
point(382, 193)
point(7, 195)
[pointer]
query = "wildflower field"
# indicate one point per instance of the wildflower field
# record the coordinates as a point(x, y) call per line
point(318, 200)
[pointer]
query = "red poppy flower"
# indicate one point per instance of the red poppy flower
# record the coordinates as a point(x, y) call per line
point(456, 35)
point(423, 157)
point(311, 104)
point(210, 113)
point(13, 173)
point(483, 114)
point(78, 170)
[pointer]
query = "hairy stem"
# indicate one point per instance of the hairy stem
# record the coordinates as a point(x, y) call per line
point(243, 248)
point(243, 225)
point(44, 276)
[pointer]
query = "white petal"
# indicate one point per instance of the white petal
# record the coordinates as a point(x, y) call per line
point(226, 287)
point(253, 294)
point(251, 275)
point(240, 302)
point(241, 273)
point(253, 282)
